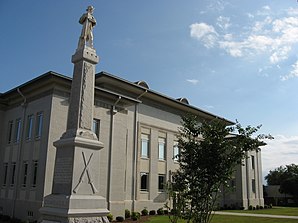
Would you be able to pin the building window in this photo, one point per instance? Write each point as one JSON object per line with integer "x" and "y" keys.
{"x": 25, "y": 173}
{"x": 253, "y": 162}
{"x": 253, "y": 185}
{"x": 39, "y": 122}
{"x": 13, "y": 173}
{"x": 175, "y": 152}
{"x": 145, "y": 146}
{"x": 161, "y": 182}
{"x": 30, "y": 214}
{"x": 29, "y": 127}
{"x": 10, "y": 127}
{"x": 34, "y": 175}
{"x": 144, "y": 181}
{"x": 5, "y": 174}
{"x": 233, "y": 183}
{"x": 17, "y": 134}
{"x": 161, "y": 149}
{"x": 96, "y": 126}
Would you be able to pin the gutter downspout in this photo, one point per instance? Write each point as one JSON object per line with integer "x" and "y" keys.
{"x": 135, "y": 154}
{"x": 113, "y": 112}
{"x": 20, "y": 148}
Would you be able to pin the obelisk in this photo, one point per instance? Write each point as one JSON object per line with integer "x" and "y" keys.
{"x": 75, "y": 193}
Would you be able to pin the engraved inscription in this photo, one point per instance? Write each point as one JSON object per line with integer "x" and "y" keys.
{"x": 82, "y": 123}
{"x": 63, "y": 171}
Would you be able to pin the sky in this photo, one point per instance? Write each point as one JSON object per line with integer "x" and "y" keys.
{"x": 235, "y": 59}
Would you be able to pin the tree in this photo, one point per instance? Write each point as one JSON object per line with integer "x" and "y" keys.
{"x": 208, "y": 156}
{"x": 275, "y": 177}
{"x": 286, "y": 177}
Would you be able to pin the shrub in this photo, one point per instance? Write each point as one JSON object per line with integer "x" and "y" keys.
{"x": 144, "y": 212}
{"x": 265, "y": 206}
{"x": 270, "y": 205}
{"x": 174, "y": 212}
{"x": 241, "y": 208}
{"x": 257, "y": 207}
{"x": 166, "y": 212}
{"x": 250, "y": 207}
{"x": 119, "y": 219}
{"x": 15, "y": 220}
{"x": 261, "y": 207}
{"x": 110, "y": 217}
{"x": 5, "y": 218}
{"x": 135, "y": 216}
{"x": 253, "y": 208}
{"x": 160, "y": 211}
{"x": 152, "y": 212}
{"x": 127, "y": 213}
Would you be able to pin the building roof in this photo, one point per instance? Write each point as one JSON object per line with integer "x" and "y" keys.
{"x": 104, "y": 79}
{"x": 110, "y": 85}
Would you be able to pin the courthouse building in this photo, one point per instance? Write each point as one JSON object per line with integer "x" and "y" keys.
{"x": 137, "y": 126}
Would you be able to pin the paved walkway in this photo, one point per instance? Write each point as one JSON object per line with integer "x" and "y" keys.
{"x": 256, "y": 215}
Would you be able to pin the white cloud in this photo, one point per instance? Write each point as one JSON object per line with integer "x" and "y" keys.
{"x": 292, "y": 11}
{"x": 251, "y": 16}
{"x": 282, "y": 150}
{"x": 269, "y": 36}
{"x": 193, "y": 81}
{"x": 223, "y": 22}
{"x": 293, "y": 72}
{"x": 281, "y": 54}
{"x": 266, "y": 10}
{"x": 205, "y": 33}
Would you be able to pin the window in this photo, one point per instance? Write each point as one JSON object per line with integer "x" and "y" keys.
{"x": 25, "y": 173}
{"x": 95, "y": 127}
{"x": 30, "y": 214}
{"x": 175, "y": 151}
{"x": 161, "y": 182}
{"x": 10, "y": 126}
{"x": 253, "y": 185}
{"x": 29, "y": 127}
{"x": 144, "y": 181}
{"x": 17, "y": 134}
{"x": 161, "y": 149}
{"x": 13, "y": 173}
{"x": 5, "y": 174}
{"x": 34, "y": 175}
{"x": 233, "y": 183}
{"x": 145, "y": 146}
{"x": 252, "y": 162}
{"x": 39, "y": 121}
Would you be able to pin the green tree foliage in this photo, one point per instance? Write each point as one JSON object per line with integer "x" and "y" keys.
{"x": 209, "y": 153}
{"x": 286, "y": 177}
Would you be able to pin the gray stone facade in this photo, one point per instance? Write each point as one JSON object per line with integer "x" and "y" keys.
{"x": 137, "y": 127}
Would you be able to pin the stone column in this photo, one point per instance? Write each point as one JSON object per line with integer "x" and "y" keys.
{"x": 75, "y": 193}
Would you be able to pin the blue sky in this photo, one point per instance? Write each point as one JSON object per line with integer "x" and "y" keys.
{"x": 236, "y": 59}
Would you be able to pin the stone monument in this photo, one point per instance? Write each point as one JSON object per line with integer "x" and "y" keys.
{"x": 75, "y": 193}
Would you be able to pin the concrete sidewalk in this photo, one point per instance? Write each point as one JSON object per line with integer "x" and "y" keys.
{"x": 256, "y": 215}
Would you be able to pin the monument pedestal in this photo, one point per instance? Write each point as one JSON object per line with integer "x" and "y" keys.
{"x": 75, "y": 195}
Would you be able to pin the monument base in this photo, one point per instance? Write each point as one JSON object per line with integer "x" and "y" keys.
{"x": 72, "y": 209}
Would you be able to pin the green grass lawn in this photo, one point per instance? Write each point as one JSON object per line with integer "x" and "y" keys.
{"x": 274, "y": 211}
{"x": 229, "y": 219}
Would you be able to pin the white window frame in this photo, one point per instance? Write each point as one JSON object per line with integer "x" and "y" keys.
{"x": 161, "y": 148}
{"x": 146, "y": 189}
{"x": 145, "y": 146}
{"x": 161, "y": 185}
{"x": 39, "y": 125}
{"x": 176, "y": 152}
{"x": 17, "y": 133}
